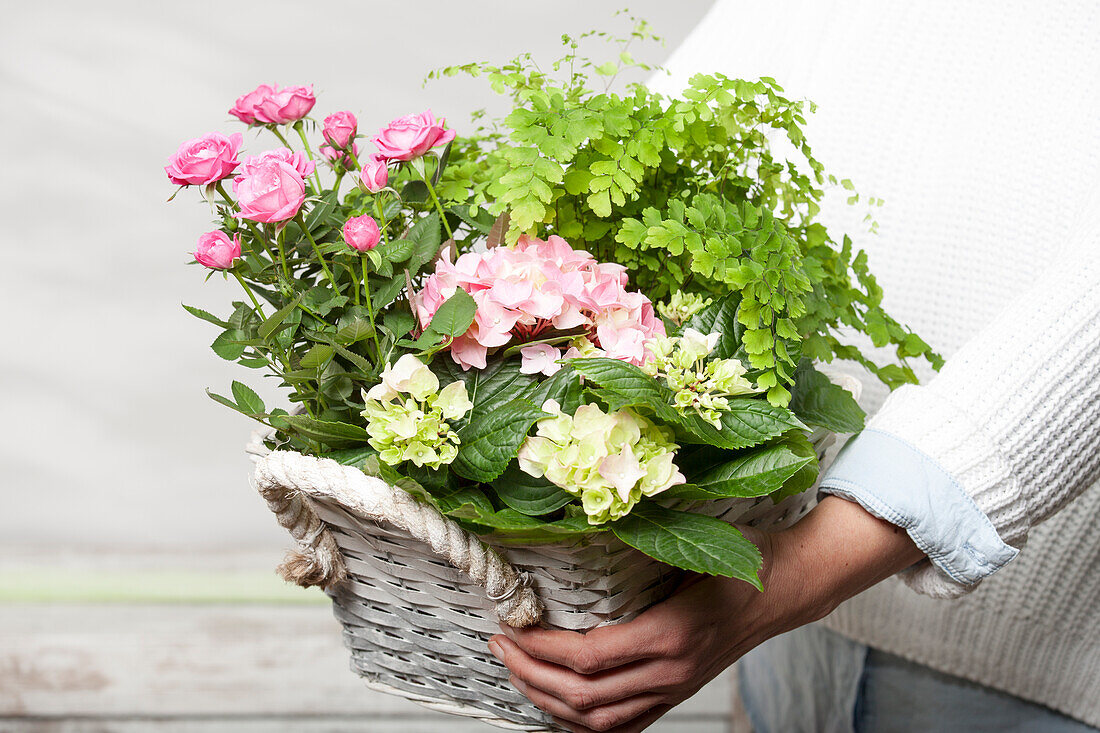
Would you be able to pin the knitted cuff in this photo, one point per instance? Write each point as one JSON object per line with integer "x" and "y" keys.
{"x": 963, "y": 449}
{"x": 923, "y": 466}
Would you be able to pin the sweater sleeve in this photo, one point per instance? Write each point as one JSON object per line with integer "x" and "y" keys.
{"x": 1006, "y": 435}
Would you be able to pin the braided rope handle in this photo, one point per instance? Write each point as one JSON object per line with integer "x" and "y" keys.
{"x": 287, "y": 479}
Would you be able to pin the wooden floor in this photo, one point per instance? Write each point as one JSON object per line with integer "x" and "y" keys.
{"x": 171, "y": 649}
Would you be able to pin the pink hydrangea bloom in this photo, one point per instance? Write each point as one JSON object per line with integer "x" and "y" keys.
{"x": 540, "y": 287}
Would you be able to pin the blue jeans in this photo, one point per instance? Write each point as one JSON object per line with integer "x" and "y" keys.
{"x": 814, "y": 681}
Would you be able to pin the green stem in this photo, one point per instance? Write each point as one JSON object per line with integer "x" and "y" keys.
{"x": 317, "y": 250}
{"x": 252, "y": 227}
{"x": 262, "y": 240}
{"x": 307, "y": 311}
{"x": 370, "y": 307}
{"x": 275, "y": 131}
{"x": 381, "y": 217}
{"x": 228, "y": 200}
{"x": 309, "y": 153}
{"x": 352, "y": 155}
{"x": 283, "y": 358}
{"x": 251, "y": 295}
{"x": 355, "y": 280}
{"x": 438, "y": 206}
{"x": 282, "y": 255}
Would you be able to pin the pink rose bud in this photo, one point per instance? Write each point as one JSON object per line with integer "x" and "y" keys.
{"x": 283, "y": 106}
{"x": 245, "y": 107}
{"x": 374, "y": 175}
{"x": 411, "y": 136}
{"x": 339, "y": 129}
{"x": 297, "y": 161}
{"x": 217, "y": 251}
{"x": 334, "y": 155}
{"x": 204, "y": 160}
{"x": 270, "y": 191}
{"x": 361, "y": 233}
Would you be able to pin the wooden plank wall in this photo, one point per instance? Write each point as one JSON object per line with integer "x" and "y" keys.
{"x": 128, "y": 665}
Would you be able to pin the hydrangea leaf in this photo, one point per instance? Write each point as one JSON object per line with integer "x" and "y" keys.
{"x": 455, "y": 315}
{"x": 690, "y": 541}
{"x": 491, "y": 439}
{"x": 817, "y": 401}
{"x": 758, "y": 472}
{"x": 529, "y": 495}
{"x": 721, "y": 317}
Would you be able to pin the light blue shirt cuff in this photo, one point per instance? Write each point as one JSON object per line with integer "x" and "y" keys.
{"x": 897, "y": 482}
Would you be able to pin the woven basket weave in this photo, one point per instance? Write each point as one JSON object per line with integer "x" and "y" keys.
{"x": 418, "y": 626}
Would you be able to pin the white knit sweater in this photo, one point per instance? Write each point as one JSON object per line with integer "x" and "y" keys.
{"x": 979, "y": 124}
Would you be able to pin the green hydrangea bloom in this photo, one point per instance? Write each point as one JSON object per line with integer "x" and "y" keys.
{"x": 698, "y": 385}
{"x": 407, "y": 415}
{"x": 609, "y": 461}
{"x": 682, "y": 306}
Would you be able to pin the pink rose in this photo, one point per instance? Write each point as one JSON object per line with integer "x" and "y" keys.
{"x": 411, "y": 136}
{"x": 340, "y": 128}
{"x": 217, "y": 251}
{"x": 297, "y": 161}
{"x": 335, "y": 156}
{"x": 362, "y": 233}
{"x": 245, "y": 107}
{"x": 204, "y": 160}
{"x": 270, "y": 191}
{"x": 283, "y": 106}
{"x": 374, "y": 175}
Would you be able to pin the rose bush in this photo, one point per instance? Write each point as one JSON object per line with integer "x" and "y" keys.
{"x": 411, "y": 136}
{"x": 217, "y": 251}
{"x": 271, "y": 190}
{"x": 361, "y": 233}
{"x": 296, "y": 160}
{"x": 244, "y": 109}
{"x": 284, "y": 106}
{"x": 339, "y": 129}
{"x": 204, "y": 160}
{"x": 374, "y": 176}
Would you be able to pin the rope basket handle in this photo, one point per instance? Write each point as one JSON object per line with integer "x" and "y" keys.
{"x": 287, "y": 479}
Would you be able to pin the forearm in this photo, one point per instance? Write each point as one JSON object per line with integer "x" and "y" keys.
{"x": 1001, "y": 439}
{"x": 833, "y": 553}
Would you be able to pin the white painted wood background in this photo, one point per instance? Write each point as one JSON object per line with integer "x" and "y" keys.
{"x": 204, "y": 643}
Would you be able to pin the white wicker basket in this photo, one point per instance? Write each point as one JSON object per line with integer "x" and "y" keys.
{"x": 419, "y": 597}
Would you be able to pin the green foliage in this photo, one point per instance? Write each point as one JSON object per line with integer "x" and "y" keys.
{"x": 753, "y": 473}
{"x": 817, "y": 401}
{"x": 690, "y": 194}
{"x": 529, "y": 495}
{"x": 694, "y": 542}
{"x": 746, "y": 423}
{"x": 491, "y": 439}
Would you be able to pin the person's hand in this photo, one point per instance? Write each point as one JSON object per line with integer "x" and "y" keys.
{"x": 623, "y": 678}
